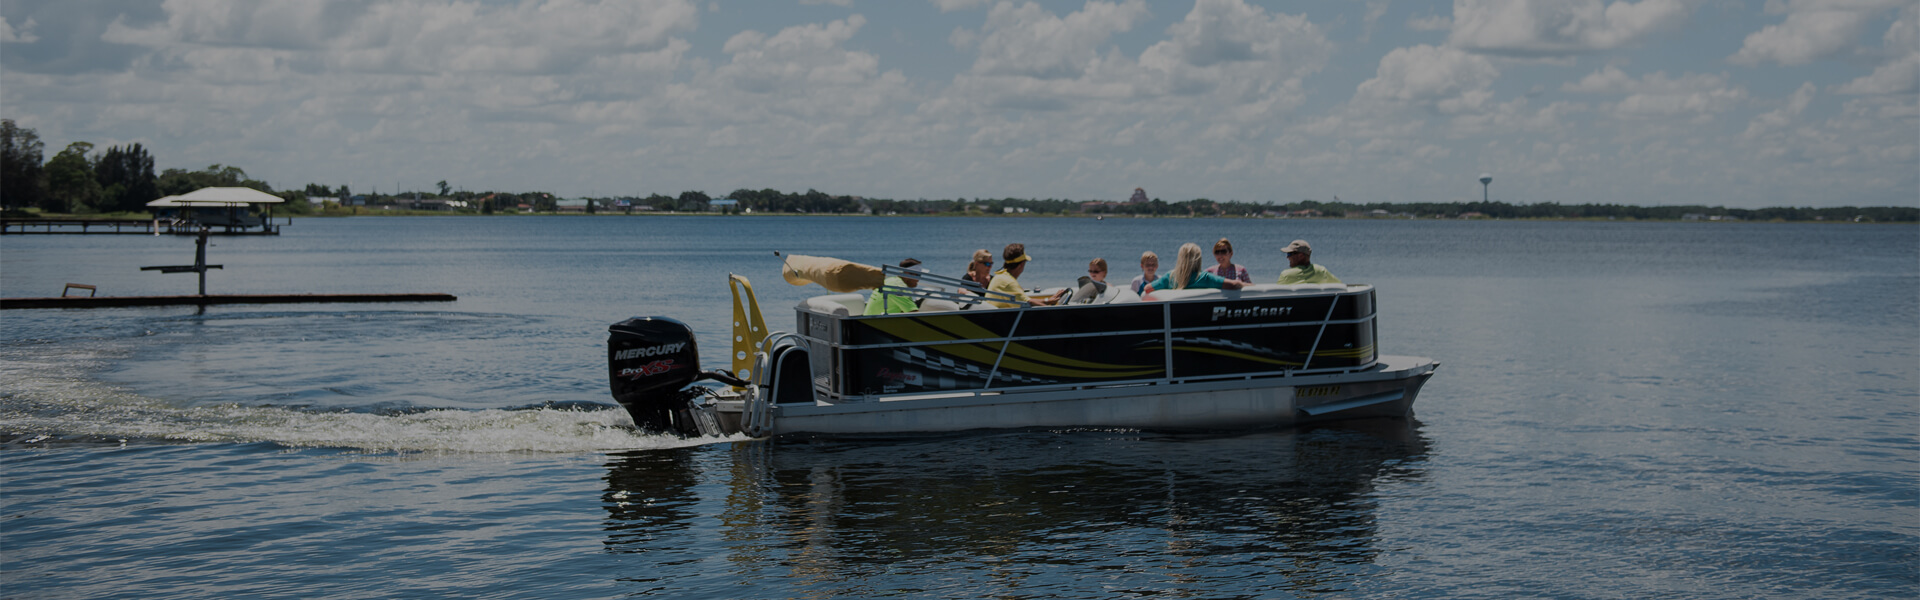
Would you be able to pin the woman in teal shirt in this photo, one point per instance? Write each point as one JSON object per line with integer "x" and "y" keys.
{"x": 1187, "y": 274}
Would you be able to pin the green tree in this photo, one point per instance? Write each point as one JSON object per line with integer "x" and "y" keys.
{"x": 126, "y": 179}
{"x": 71, "y": 186}
{"x": 444, "y": 188}
{"x": 661, "y": 203}
{"x": 181, "y": 181}
{"x": 23, "y": 182}
{"x": 693, "y": 200}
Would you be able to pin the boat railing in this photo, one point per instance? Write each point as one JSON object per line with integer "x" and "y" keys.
{"x": 967, "y": 291}
{"x": 1326, "y": 341}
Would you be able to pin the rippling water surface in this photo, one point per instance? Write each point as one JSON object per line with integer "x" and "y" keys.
{"x": 1700, "y": 410}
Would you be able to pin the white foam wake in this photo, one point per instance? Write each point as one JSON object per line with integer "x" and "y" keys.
{"x": 49, "y": 395}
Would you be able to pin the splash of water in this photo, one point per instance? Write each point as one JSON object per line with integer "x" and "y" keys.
{"x": 43, "y": 397}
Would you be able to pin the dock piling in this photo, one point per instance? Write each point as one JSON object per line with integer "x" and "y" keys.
{"x": 199, "y": 262}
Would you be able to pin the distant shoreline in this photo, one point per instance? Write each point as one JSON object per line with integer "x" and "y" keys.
{"x": 419, "y": 213}
{"x": 426, "y": 213}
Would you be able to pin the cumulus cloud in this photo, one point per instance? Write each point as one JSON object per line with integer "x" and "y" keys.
{"x": 1656, "y": 95}
{"x": 954, "y": 5}
{"x": 416, "y": 37}
{"x": 1780, "y": 118}
{"x": 1900, "y": 74}
{"x": 1220, "y": 98}
{"x": 1813, "y": 30}
{"x": 1027, "y": 41}
{"x": 23, "y": 35}
{"x": 1444, "y": 78}
{"x": 1228, "y": 54}
{"x": 1535, "y": 28}
{"x": 1375, "y": 10}
{"x": 799, "y": 62}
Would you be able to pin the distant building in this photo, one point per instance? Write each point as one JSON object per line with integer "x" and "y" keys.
{"x": 1139, "y": 196}
{"x": 578, "y": 205}
{"x": 723, "y": 204}
{"x": 436, "y": 204}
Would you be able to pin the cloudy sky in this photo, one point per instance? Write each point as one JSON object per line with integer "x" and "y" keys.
{"x": 1719, "y": 102}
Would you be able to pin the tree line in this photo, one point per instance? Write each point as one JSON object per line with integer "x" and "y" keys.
{"x": 817, "y": 202}
{"x": 122, "y": 179}
{"x": 78, "y": 180}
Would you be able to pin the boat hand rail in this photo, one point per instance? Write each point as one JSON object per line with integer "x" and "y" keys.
{"x": 978, "y": 295}
{"x": 1056, "y": 336}
{"x": 1011, "y": 334}
{"x": 1281, "y": 375}
{"x": 1322, "y": 332}
{"x": 755, "y": 419}
{"x": 1351, "y": 355}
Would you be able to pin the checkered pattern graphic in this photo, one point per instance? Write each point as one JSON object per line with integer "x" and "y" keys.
{"x": 941, "y": 363}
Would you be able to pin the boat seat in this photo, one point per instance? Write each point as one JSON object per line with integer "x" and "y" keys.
{"x": 843, "y": 305}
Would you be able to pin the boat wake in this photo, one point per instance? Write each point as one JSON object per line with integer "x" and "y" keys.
{"x": 48, "y": 400}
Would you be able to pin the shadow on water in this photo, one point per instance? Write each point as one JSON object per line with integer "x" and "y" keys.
{"x": 1289, "y": 510}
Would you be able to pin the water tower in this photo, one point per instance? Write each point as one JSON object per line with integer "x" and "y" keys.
{"x": 1485, "y": 180}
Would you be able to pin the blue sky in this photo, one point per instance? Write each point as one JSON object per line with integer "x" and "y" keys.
{"x": 1651, "y": 102}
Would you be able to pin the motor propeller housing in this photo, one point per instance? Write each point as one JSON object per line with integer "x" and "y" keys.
{"x": 651, "y": 362}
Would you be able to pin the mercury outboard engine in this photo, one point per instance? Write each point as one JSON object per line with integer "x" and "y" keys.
{"x": 652, "y": 364}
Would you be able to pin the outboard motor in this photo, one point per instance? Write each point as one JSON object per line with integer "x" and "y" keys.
{"x": 652, "y": 363}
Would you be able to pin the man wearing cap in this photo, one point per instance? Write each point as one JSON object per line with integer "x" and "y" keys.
{"x": 1302, "y": 269}
{"x": 1007, "y": 280}
{"x": 882, "y": 303}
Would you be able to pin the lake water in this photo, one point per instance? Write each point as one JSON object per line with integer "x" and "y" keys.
{"x": 1623, "y": 410}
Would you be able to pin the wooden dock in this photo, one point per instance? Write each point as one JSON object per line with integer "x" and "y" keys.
{"x": 13, "y": 226}
{"x": 113, "y": 301}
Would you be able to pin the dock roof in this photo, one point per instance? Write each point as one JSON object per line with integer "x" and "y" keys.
{"x": 219, "y": 196}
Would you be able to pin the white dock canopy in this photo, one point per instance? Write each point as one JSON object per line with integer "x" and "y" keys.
{"x": 218, "y": 196}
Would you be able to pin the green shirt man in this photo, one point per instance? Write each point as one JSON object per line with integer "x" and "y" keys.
{"x": 882, "y": 303}
{"x": 1301, "y": 268}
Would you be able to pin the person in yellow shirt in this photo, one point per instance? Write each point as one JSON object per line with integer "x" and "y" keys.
{"x": 1301, "y": 268}
{"x": 1007, "y": 280}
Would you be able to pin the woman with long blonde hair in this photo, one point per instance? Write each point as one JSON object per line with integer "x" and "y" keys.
{"x": 1187, "y": 274}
